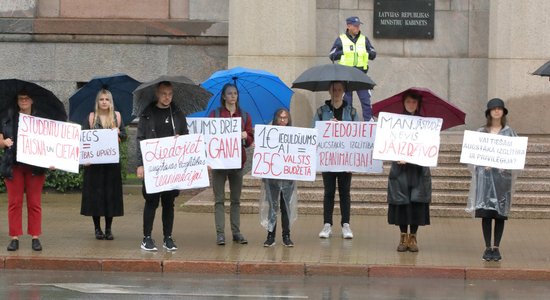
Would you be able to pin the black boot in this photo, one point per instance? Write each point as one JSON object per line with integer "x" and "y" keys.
{"x": 270, "y": 241}
{"x": 287, "y": 241}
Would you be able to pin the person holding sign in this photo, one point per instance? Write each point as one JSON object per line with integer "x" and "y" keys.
{"x": 491, "y": 188}
{"x": 230, "y": 109}
{"x": 336, "y": 109}
{"x": 102, "y": 184}
{"x": 277, "y": 191}
{"x": 20, "y": 178}
{"x": 409, "y": 190}
{"x": 161, "y": 118}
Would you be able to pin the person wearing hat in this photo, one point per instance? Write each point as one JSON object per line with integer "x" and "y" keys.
{"x": 491, "y": 189}
{"x": 354, "y": 49}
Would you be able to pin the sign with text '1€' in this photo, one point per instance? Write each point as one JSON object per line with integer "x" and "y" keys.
{"x": 222, "y": 137}
{"x": 346, "y": 147}
{"x": 284, "y": 152}
{"x": 99, "y": 146}
{"x": 174, "y": 163}
{"x": 47, "y": 143}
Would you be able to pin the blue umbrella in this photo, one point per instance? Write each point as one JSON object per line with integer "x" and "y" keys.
{"x": 260, "y": 93}
{"x": 121, "y": 86}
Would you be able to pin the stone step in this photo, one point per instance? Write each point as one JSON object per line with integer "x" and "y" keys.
{"x": 203, "y": 203}
{"x": 532, "y": 159}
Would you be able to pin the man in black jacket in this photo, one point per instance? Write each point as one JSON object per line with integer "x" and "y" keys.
{"x": 160, "y": 119}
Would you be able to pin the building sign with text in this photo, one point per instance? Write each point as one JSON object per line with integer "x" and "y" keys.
{"x": 404, "y": 19}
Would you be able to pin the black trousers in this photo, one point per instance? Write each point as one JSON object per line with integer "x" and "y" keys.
{"x": 151, "y": 204}
{"x": 344, "y": 186}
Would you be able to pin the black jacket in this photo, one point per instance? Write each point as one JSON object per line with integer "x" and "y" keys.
{"x": 402, "y": 176}
{"x": 146, "y": 126}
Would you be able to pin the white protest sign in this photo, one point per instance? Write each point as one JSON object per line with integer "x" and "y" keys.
{"x": 174, "y": 163}
{"x": 346, "y": 147}
{"x": 284, "y": 152}
{"x": 408, "y": 138}
{"x": 223, "y": 140}
{"x": 491, "y": 150}
{"x": 47, "y": 143}
{"x": 99, "y": 146}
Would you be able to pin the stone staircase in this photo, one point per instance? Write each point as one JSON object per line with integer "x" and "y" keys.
{"x": 450, "y": 184}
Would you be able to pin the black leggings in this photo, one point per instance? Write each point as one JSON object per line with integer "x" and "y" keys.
{"x": 486, "y": 224}
{"x": 403, "y": 228}
{"x": 108, "y": 222}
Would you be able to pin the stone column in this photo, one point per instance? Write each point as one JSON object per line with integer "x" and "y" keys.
{"x": 279, "y": 37}
{"x": 518, "y": 45}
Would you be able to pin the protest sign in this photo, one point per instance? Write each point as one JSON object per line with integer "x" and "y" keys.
{"x": 174, "y": 163}
{"x": 346, "y": 147}
{"x": 47, "y": 143}
{"x": 284, "y": 152}
{"x": 491, "y": 150}
{"x": 408, "y": 138}
{"x": 223, "y": 140}
{"x": 99, "y": 146}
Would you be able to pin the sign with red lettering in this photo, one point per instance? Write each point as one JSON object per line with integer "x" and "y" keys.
{"x": 222, "y": 137}
{"x": 99, "y": 146}
{"x": 346, "y": 147}
{"x": 174, "y": 163}
{"x": 284, "y": 152}
{"x": 47, "y": 143}
{"x": 408, "y": 138}
{"x": 492, "y": 150}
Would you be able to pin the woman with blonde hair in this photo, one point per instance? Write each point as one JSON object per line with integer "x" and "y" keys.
{"x": 102, "y": 185}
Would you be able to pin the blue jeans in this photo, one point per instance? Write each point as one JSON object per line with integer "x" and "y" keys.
{"x": 364, "y": 97}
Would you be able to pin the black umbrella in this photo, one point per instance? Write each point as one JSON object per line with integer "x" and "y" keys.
{"x": 188, "y": 96}
{"x": 319, "y": 78}
{"x": 44, "y": 103}
{"x": 544, "y": 70}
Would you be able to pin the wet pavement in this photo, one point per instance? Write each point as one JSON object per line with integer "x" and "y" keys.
{"x": 449, "y": 248}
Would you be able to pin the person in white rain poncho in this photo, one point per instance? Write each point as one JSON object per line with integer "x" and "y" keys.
{"x": 278, "y": 193}
{"x": 491, "y": 189}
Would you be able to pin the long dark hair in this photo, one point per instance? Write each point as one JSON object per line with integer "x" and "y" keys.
{"x": 277, "y": 115}
{"x": 225, "y": 87}
{"x": 416, "y": 97}
{"x": 490, "y": 120}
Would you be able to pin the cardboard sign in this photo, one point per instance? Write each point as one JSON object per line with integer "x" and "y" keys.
{"x": 491, "y": 150}
{"x": 174, "y": 163}
{"x": 284, "y": 152}
{"x": 222, "y": 138}
{"x": 346, "y": 147}
{"x": 99, "y": 146}
{"x": 47, "y": 143}
{"x": 408, "y": 138}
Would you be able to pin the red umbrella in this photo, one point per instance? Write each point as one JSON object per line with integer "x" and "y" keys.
{"x": 432, "y": 106}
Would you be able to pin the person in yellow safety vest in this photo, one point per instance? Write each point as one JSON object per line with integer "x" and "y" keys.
{"x": 355, "y": 50}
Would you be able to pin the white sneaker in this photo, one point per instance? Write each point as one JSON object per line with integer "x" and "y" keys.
{"x": 326, "y": 232}
{"x": 346, "y": 231}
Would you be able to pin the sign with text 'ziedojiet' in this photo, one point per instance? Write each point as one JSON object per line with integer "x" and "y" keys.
{"x": 491, "y": 150}
{"x": 222, "y": 137}
{"x": 407, "y": 138}
{"x": 174, "y": 163}
{"x": 99, "y": 146}
{"x": 284, "y": 152}
{"x": 47, "y": 143}
{"x": 345, "y": 146}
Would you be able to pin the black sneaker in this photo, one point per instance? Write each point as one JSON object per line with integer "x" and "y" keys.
{"x": 488, "y": 254}
{"x": 169, "y": 244}
{"x": 496, "y": 254}
{"x": 148, "y": 244}
{"x": 36, "y": 246}
{"x": 220, "y": 239}
{"x": 287, "y": 242}
{"x": 270, "y": 241}
{"x": 13, "y": 245}
{"x": 99, "y": 235}
{"x": 109, "y": 235}
{"x": 239, "y": 239}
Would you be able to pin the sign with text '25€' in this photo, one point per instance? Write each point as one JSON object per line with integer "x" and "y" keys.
{"x": 407, "y": 138}
{"x": 99, "y": 146}
{"x": 345, "y": 146}
{"x": 284, "y": 152}
{"x": 47, "y": 143}
{"x": 222, "y": 137}
{"x": 174, "y": 163}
